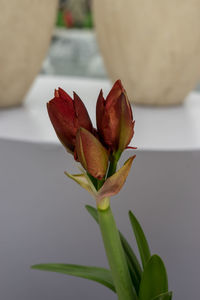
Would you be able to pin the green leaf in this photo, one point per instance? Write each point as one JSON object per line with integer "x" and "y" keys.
{"x": 100, "y": 275}
{"x": 154, "y": 279}
{"x": 133, "y": 263}
{"x": 165, "y": 296}
{"x": 141, "y": 240}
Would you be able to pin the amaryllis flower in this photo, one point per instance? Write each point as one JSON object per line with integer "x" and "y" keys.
{"x": 91, "y": 147}
{"x": 114, "y": 119}
{"x": 67, "y": 116}
{"x": 91, "y": 154}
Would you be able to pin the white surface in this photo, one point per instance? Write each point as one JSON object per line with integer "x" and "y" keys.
{"x": 168, "y": 128}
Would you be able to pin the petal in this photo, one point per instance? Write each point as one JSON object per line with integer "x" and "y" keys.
{"x": 83, "y": 181}
{"x": 113, "y": 184}
{"x": 114, "y": 93}
{"x": 111, "y": 125}
{"x": 64, "y": 104}
{"x": 126, "y": 122}
{"x": 100, "y": 111}
{"x": 62, "y": 94}
{"x": 91, "y": 153}
{"x": 79, "y": 150}
{"x": 82, "y": 114}
{"x": 108, "y": 122}
{"x": 61, "y": 116}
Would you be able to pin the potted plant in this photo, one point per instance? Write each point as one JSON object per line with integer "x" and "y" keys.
{"x": 99, "y": 151}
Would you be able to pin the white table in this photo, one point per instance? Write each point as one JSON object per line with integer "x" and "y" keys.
{"x": 42, "y": 216}
{"x": 170, "y": 128}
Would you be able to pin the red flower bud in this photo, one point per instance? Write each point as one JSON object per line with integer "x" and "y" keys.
{"x": 114, "y": 118}
{"x": 67, "y": 116}
{"x": 91, "y": 153}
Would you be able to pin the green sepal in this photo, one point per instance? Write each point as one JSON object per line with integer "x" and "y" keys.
{"x": 142, "y": 243}
{"x": 100, "y": 275}
{"x": 132, "y": 261}
{"x": 165, "y": 296}
{"x": 154, "y": 279}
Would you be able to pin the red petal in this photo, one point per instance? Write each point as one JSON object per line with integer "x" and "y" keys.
{"x": 111, "y": 125}
{"x": 114, "y": 94}
{"x": 100, "y": 112}
{"x": 126, "y": 123}
{"x": 64, "y": 95}
{"x": 62, "y": 114}
{"x": 82, "y": 114}
{"x": 56, "y": 93}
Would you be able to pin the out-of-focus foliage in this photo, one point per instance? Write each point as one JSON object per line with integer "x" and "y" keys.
{"x": 75, "y": 14}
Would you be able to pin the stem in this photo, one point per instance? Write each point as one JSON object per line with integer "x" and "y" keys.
{"x": 115, "y": 255}
{"x": 100, "y": 183}
{"x": 112, "y": 167}
{"x": 113, "y": 163}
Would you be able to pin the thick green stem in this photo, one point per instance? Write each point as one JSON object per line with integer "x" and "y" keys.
{"x": 115, "y": 255}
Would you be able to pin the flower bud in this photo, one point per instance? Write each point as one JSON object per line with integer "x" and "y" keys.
{"x": 114, "y": 119}
{"x": 67, "y": 115}
{"x": 91, "y": 154}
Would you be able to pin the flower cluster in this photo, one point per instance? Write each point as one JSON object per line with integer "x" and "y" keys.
{"x": 98, "y": 150}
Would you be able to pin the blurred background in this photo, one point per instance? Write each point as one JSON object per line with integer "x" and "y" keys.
{"x": 74, "y": 50}
{"x": 155, "y": 55}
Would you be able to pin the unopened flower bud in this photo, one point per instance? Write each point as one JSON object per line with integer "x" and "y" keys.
{"x": 91, "y": 154}
{"x": 67, "y": 115}
{"x": 114, "y": 119}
